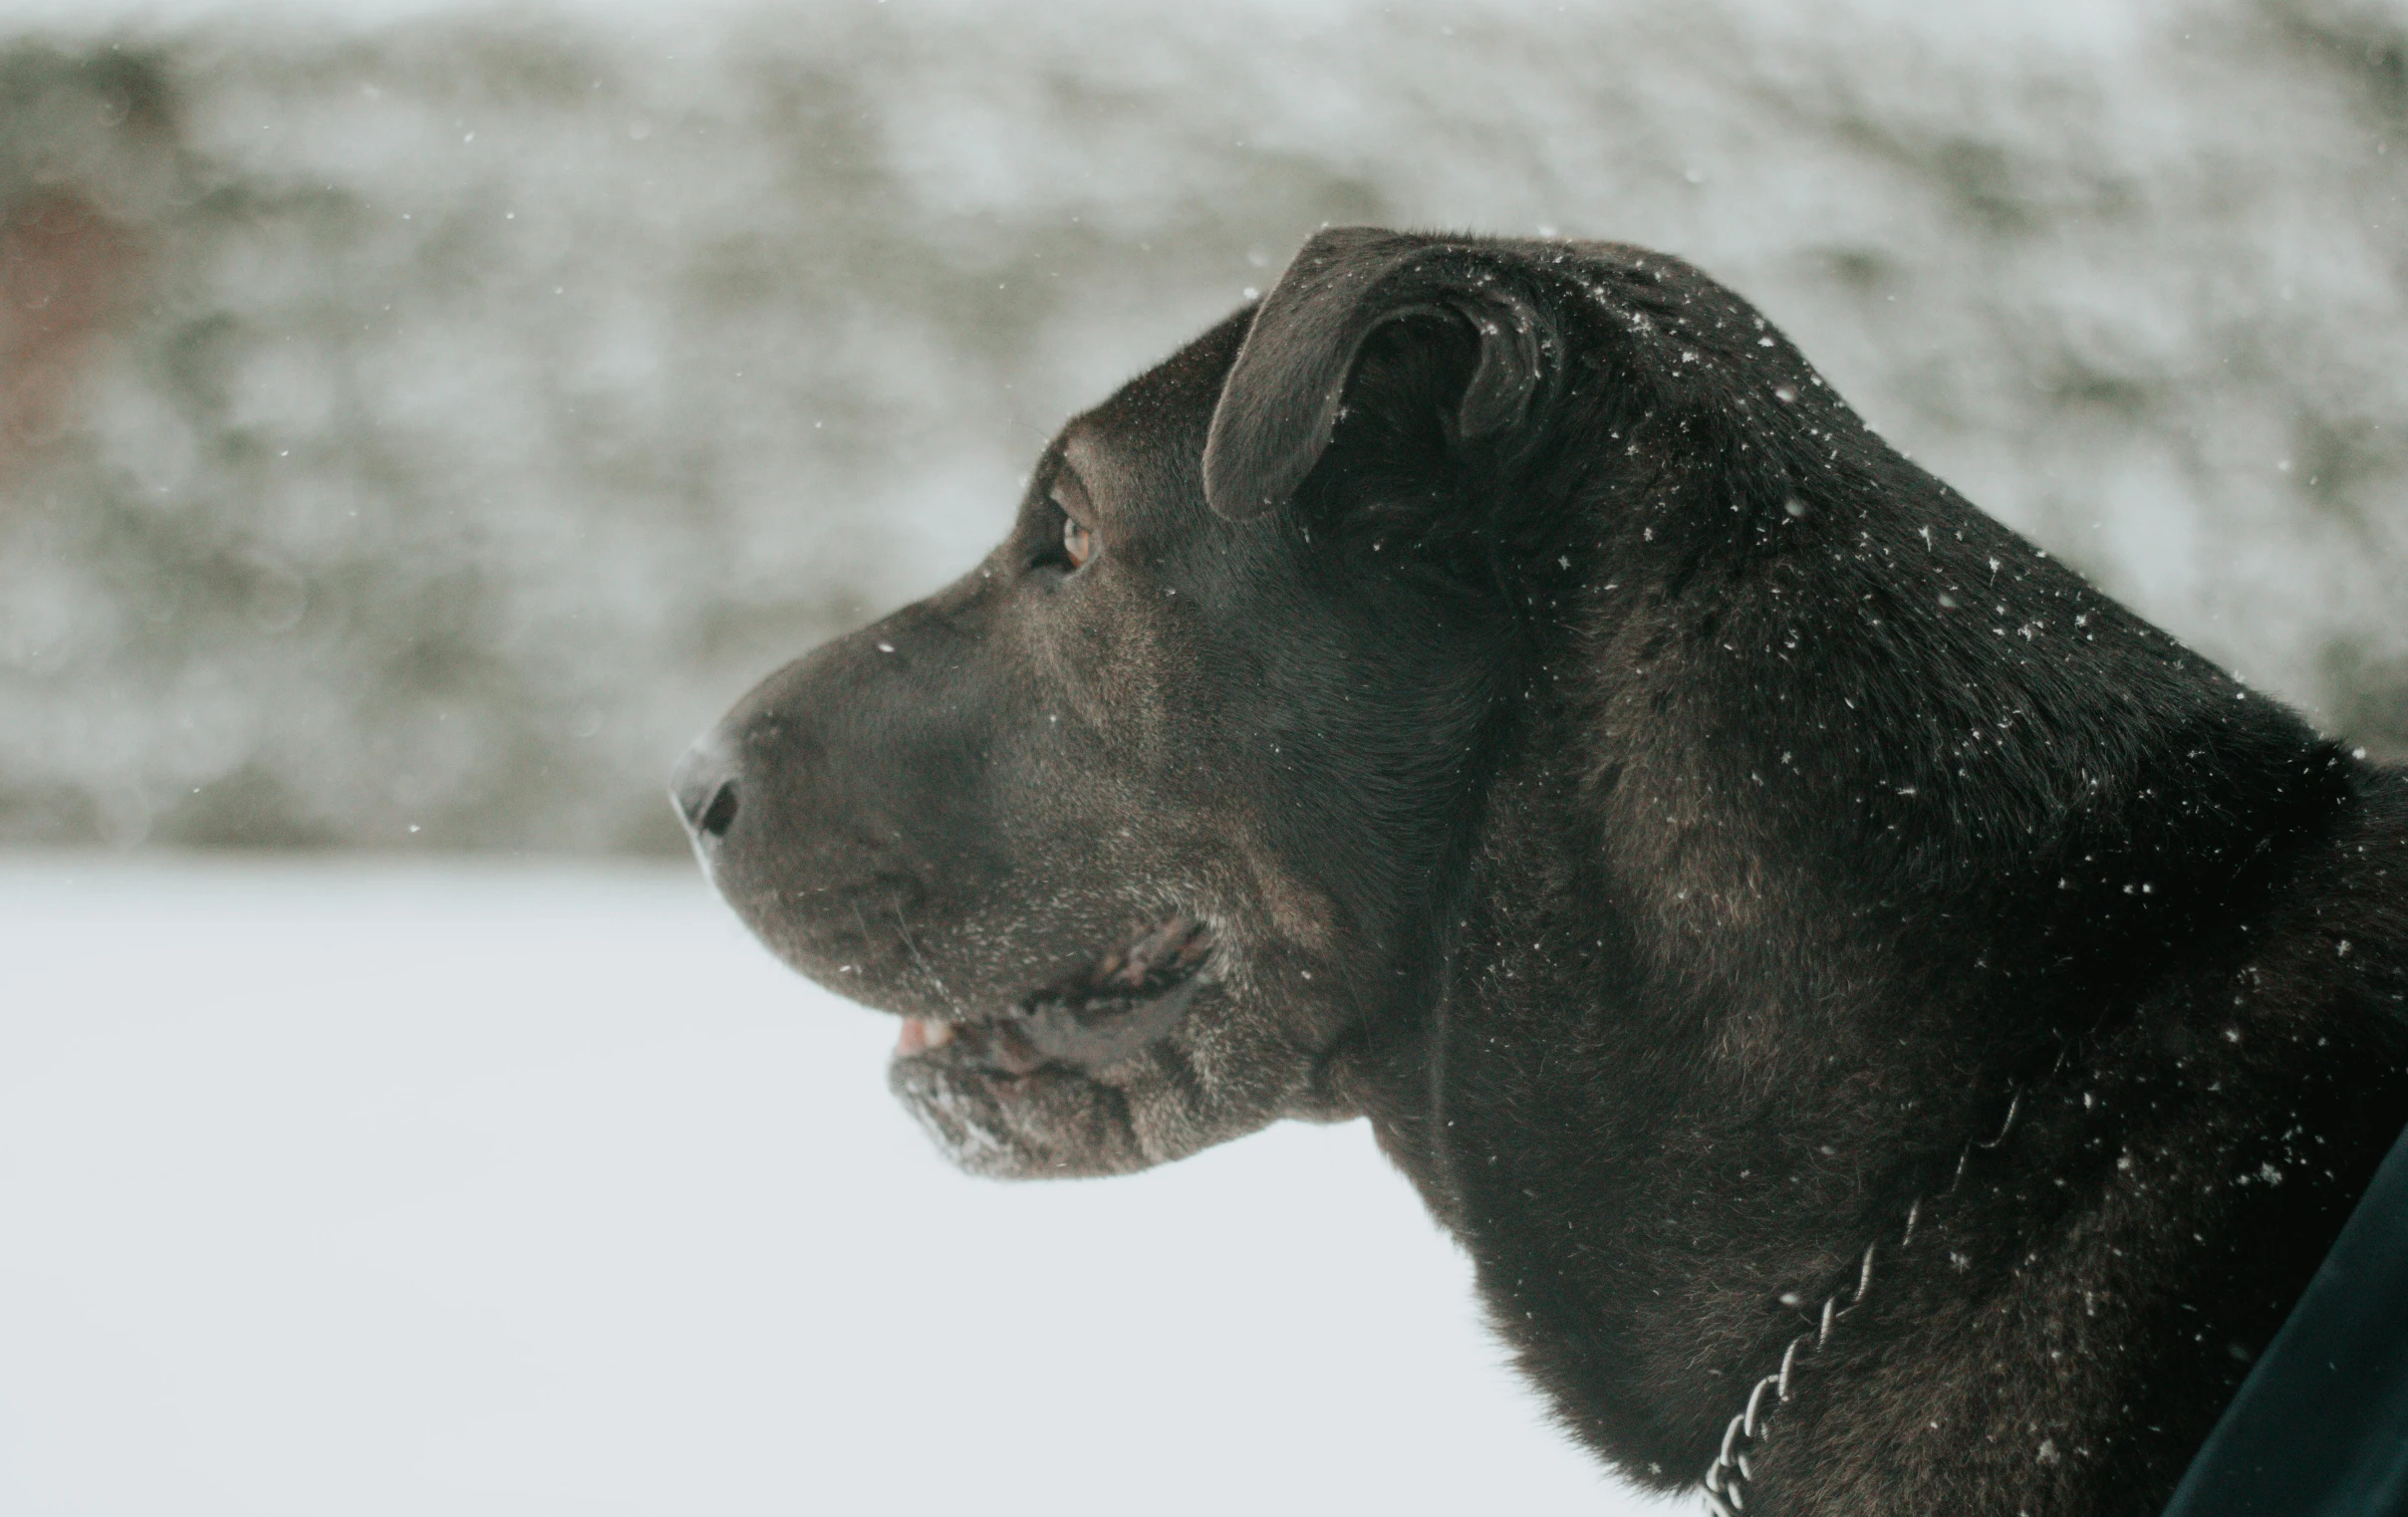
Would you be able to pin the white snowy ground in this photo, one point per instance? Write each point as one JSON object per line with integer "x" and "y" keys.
{"x": 342, "y": 1189}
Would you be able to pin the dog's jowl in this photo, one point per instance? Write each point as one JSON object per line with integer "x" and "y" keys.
{"x": 1497, "y": 689}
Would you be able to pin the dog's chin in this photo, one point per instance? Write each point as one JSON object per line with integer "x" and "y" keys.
{"x": 1209, "y": 1080}
{"x": 1050, "y": 1123}
{"x": 1223, "y": 1071}
{"x": 1145, "y": 1051}
{"x": 1159, "y": 1051}
{"x": 1083, "y": 1078}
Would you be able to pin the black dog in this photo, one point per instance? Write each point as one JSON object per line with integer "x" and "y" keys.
{"x": 1895, "y": 1029}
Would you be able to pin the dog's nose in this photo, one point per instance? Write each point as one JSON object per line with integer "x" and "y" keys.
{"x": 703, "y": 786}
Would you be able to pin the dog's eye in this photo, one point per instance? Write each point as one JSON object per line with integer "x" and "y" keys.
{"x": 1069, "y": 496}
{"x": 1078, "y": 544}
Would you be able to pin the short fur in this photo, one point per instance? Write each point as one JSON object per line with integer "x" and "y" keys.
{"x": 1691, "y": 833}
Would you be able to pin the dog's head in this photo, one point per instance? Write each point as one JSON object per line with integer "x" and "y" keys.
{"x": 1147, "y": 824}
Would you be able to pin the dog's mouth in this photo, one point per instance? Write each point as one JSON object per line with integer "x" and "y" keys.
{"x": 1127, "y": 999}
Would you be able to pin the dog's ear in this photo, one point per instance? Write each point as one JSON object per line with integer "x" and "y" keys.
{"x": 1282, "y": 399}
{"x": 1285, "y": 388}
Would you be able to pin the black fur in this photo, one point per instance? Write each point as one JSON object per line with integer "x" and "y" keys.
{"x": 1684, "y": 827}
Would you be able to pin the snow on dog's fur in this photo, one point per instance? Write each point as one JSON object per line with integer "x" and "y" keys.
{"x": 1497, "y": 688}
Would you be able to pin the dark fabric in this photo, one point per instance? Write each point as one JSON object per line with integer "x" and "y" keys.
{"x": 2321, "y": 1426}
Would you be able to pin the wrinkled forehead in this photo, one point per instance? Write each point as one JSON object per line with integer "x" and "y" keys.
{"x": 1139, "y": 453}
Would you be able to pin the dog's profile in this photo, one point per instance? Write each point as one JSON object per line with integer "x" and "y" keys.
{"x": 1894, "y": 1030}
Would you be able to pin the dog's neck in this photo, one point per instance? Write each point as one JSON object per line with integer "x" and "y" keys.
{"x": 1669, "y": 1098}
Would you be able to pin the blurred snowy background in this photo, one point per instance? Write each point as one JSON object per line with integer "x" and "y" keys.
{"x": 413, "y": 428}
{"x": 416, "y": 420}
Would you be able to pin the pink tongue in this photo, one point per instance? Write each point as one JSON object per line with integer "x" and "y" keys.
{"x": 914, "y": 1036}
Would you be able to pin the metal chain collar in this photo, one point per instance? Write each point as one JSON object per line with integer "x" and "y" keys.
{"x": 1727, "y": 1478}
